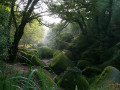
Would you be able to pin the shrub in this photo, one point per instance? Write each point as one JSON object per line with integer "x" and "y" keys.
{"x": 92, "y": 55}
{"x": 71, "y": 78}
{"x": 83, "y": 64}
{"x": 62, "y": 45}
{"x": 60, "y": 63}
{"x": 67, "y": 37}
{"x": 45, "y": 52}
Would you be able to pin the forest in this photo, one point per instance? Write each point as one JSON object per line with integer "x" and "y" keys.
{"x": 79, "y": 50}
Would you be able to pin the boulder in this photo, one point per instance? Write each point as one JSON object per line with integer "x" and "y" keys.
{"x": 70, "y": 79}
{"x": 60, "y": 63}
{"x": 45, "y": 52}
{"x": 109, "y": 75}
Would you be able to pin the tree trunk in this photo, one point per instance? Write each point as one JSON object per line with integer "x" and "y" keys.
{"x": 14, "y": 47}
{"x": 20, "y": 29}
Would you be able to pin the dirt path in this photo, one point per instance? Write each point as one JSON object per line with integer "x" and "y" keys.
{"x": 47, "y": 61}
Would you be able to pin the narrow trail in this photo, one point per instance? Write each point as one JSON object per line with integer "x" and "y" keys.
{"x": 47, "y": 61}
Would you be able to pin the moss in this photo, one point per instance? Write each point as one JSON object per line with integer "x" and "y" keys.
{"x": 27, "y": 58}
{"x": 57, "y": 52}
{"x": 45, "y": 52}
{"x": 91, "y": 71}
{"x": 71, "y": 79}
{"x": 60, "y": 63}
{"x": 49, "y": 83}
{"x": 68, "y": 53}
{"x": 109, "y": 75}
{"x": 83, "y": 64}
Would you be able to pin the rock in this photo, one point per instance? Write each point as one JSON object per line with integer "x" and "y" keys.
{"x": 71, "y": 79}
{"x": 29, "y": 59}
{"x": 60, "y": 63}
{"x": 109, "y": 75}
{"x": 45, "y": 81}
{"x": 45, "y": 52}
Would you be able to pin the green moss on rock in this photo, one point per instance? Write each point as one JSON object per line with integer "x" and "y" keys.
{"x": 68, "y": 53}
{"x": 45, "y": 52}
{"x": 71, "y": 79}
{"x": 42, "y": 78}
{"x": 56, "y": 53}
{"x": 31, "y": 59}
{"x": 109, "y": 75}
{"x": 60, "y": 63}
{"x": 83, "y": 64}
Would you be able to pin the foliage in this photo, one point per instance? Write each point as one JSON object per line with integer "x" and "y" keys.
{"x": 82, "y": 64}
{"x": 91, "y": 71}
{"x": 60, "y": 63}
{"x": 4, "y": 32}
{"x": 45, "y": 52}
{"x": 33, "y": 33}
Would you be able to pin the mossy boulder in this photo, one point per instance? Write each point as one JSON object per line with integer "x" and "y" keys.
{"x": 60, "y": 63}
{"x": 71, "y": 79}
{"x": 45, "y": 52}
{"x": 109, "y": 75}
{"x": 56, "y": 53}
{"x": 45, "y": 81}
{"x": 83, "y": 64}
{"x": 68, "y": 53}
{"x": 91, "y": 71}
{"x": 29, "y": 59}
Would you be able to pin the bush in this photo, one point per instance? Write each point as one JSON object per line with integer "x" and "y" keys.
{"x": 62, "y": 45}
{"x": 45, "y": 52}
{"x": 67, "y": 37}
{"x": 72, "y": 78}
{"x": 60, "y": 63}
{"x": 83, "y": 64}
{"x": 91, "y": 55}
{"x": 91, "y": 71}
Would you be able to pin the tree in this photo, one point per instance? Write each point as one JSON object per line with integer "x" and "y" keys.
{"x": 33, "y": 33}
{"x": 26, "y": 15}
{"x": 72, "y": 11}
